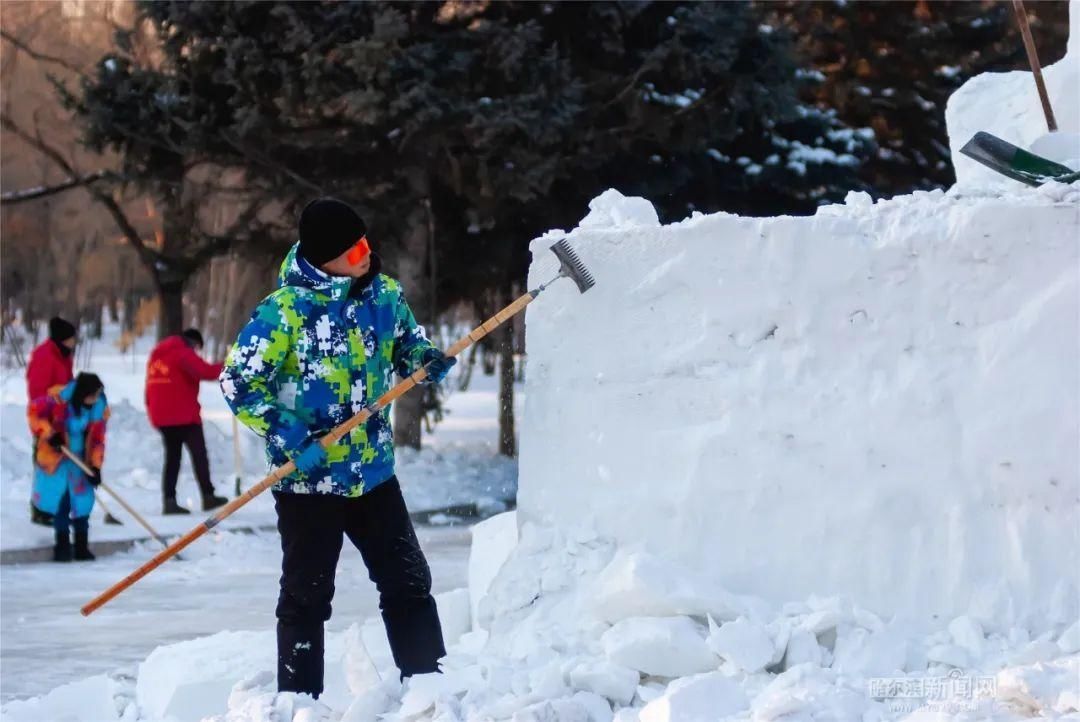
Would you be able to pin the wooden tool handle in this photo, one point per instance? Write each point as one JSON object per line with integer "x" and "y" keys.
{"x": 284, "y": 470}
{"x": 1033, "y": 61}
{"x": 180, "y": 544}
{"x": 127, "y": 507}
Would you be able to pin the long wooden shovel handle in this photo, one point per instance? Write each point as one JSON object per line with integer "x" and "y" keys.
{"x": 1036, "y": 66}
{"x": 289, "y": 467}
{"x": 127, "y": 507}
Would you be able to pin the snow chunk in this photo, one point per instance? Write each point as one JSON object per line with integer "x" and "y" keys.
{"x": 492, "y": 542}
{"x": 637, "y": 584}
{"x": 557, "y": 710}
{"x": 968, "y": 634}
{"x": 454, "y": 614}
{"x": 1061, "y": 147}
{"x": 701, "y": 698}
{"x": 859, "y": 651}
{"x": 1069, "y": 641}
{"x": 88, "y": 700}
{"x": 745, "y": 644}
{"x": 605, "y": 678}
{"x": 802, "y": 648}
{"x": 611, "y": 209}
{"x": 193, "y": 679}
{"x": 665, "y": 647}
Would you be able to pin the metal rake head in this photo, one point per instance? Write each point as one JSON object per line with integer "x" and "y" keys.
{"x": 572, "y": 267}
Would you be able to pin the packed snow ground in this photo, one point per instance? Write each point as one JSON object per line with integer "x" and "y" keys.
{"x": 226, "y": 581}
{"x": 457, "y": 466}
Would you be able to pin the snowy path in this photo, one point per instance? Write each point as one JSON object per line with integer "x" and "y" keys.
{"x": 229, "y": 582}
{"x": 458, "y": 465}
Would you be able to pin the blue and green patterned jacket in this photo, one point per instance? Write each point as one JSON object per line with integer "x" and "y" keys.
{"x": 315, "y": 352}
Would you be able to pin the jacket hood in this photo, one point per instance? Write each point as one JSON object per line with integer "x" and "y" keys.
{"x": 97, "y": 411}
{"x": 297, "y": 272}
{"x": 172, "y": 342}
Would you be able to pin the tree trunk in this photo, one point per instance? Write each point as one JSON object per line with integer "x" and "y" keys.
{"x": 96, "y": 325}
{"x": 112, "y": 303}
{"x": 505, "y": 343}
{"x": 171, "y": 314}
{"x": 408, "y": 410}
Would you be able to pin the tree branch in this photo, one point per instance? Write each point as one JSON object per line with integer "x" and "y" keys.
{"x": 264, "y": 160}
{"x": 147, "y": 255}
{"x": 41, "y": 56}
{"x": 29, "y": 194}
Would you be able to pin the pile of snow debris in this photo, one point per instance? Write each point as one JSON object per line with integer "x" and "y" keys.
{"x": 572, "y": 629}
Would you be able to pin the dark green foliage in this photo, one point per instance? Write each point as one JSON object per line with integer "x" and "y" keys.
{"x": 507, "y": 117}
{"x": 892, "y": 65}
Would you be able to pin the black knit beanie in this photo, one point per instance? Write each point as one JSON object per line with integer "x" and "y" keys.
{"x": 328, "y": 228}
{"x": 193, "y": 336}
{"x": 60, "y": 330}
{"x": 85, "y": 384}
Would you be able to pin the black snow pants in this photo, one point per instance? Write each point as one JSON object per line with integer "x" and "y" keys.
{"x": 378, "y": 524}
{"x": 175, "y": 438}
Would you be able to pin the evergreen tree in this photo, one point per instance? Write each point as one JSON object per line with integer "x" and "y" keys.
{"x": 891, "y": 66}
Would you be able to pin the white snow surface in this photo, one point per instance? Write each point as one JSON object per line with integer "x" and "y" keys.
{"x": 878, "y": 401}
{"x": 1008, "y": 106}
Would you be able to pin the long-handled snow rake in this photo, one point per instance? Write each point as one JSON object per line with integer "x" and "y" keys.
{"x": 570, "y": 266}
{"x": 127, "y": 507}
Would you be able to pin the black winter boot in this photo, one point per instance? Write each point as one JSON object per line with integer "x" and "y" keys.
{"x": 37, "y": 516}
{"x": 171, "y": 507}
{"x": 62, "y": 550}
{"x": 300, "y": 658}
{"x": 213, "y": 502}
{"x": 82, "y": 547}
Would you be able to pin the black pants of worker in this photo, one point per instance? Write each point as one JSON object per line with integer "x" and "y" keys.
{"x": 378, "y": 524}
{"x": 177, "y": 437}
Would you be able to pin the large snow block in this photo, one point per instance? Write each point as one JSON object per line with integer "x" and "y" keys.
{"x": 93, "y": 699}
{"x": 187, "y": 681}
{"x": 878, "y": 401}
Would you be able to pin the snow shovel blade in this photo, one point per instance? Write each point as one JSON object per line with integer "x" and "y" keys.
{"x": 110, "y": 519}
{"x": 1016, "y": 163}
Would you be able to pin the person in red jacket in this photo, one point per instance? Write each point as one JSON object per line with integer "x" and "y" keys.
{"x": 173, "y": 373}
{"x": 51, "y": 366}
{"x": 52, "y": 362}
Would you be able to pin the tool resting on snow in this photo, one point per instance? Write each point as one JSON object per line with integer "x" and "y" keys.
{"x": 570, "y": 266}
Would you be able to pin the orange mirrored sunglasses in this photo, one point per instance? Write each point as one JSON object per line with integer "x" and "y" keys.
{"x": 358, "y": 252}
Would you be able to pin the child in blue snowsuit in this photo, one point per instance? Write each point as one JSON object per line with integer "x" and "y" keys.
{"x": 72, "y": 416}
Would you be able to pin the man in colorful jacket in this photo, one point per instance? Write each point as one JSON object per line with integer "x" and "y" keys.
{"x": 50, "y": 366}
{"x": 173, "y": 373}
{"x": 71, "y": 416}
{"x": 320, "y": 348}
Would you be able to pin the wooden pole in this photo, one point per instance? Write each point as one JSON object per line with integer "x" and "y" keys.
{"x": 289, "y": 467}
{"x": 1033, "y": 61}
{"x": 127, "y": 507}
{"x": 237, "y": 457}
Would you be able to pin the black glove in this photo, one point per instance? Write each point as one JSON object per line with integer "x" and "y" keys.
{"x": 95, "y": 478}
{"x": 56, "y": 440}
{"x": 438, "y": 365}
